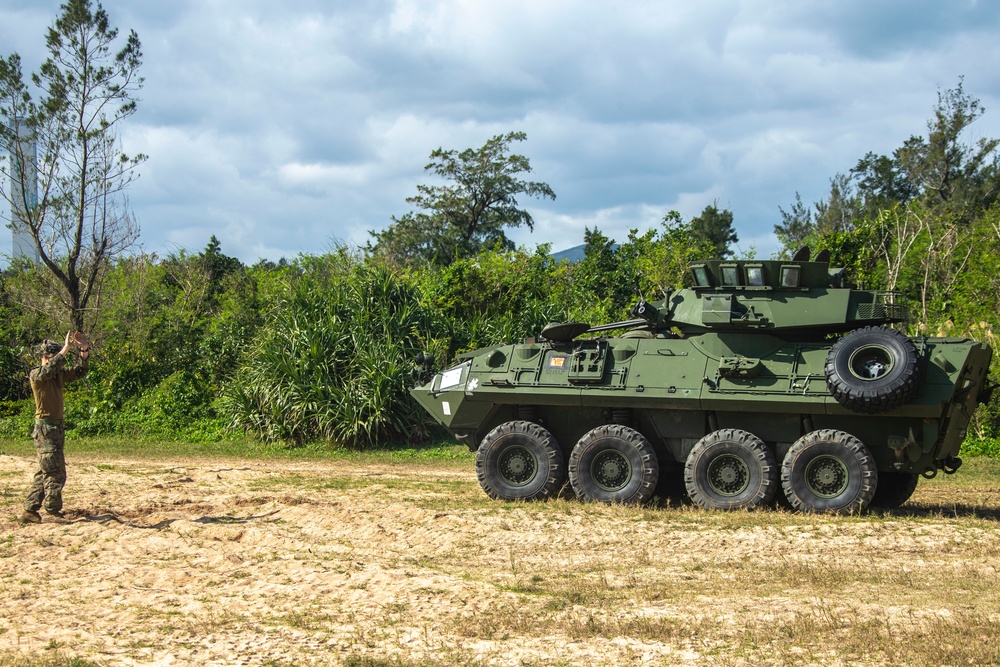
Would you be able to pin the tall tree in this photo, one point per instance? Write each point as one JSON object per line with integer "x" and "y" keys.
{"x": 716, "y": 227}
{"x": 951, "y": 180}
{"x": 839, "y": 211}
{"x": 882, "y": 183}
{"x": 950, "y": 177}
{"x": 468, "y": 214}
{"x": 795, "y": 227}
{"x": 70, "y": 193}
{"x": 608, "y": 270}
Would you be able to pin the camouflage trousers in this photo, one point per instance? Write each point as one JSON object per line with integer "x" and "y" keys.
{"x": 48, "y": 482}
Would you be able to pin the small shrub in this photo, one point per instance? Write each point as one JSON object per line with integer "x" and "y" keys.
{"x": 981, "y": 447}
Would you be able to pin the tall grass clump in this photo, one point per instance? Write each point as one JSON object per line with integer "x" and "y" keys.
{"x": 335, "y": 359}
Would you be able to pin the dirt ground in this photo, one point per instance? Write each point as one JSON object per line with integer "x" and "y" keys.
{"x": 223, "y": 562}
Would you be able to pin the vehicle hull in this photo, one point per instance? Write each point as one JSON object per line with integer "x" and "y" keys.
{"x": 764, "y": 379}
{"x": 677, "y": 390}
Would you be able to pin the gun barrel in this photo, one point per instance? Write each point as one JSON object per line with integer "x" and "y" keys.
{"x": 617, "y": 325}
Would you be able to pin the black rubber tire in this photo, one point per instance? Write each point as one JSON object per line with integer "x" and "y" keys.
{"x": 520, "y": 460}
{"x": 613, "y": 464}
{"x": 873, "y": 369}
{"x": 730, "y": 469}
{"x": 829, "y": 471}
{"x": 894, "y": 489}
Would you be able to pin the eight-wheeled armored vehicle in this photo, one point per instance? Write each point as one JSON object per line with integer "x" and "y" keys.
{"x": 765, "y": 380}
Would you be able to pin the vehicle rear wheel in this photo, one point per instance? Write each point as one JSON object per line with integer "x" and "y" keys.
{"x": 731, "y": 469}
{"x": 613, "y": 464}
{"x": 829, "y": 471}
{"x": 894, "y": 489}
{"x": 520, "y": 460}
{"x": 873, "y": 369}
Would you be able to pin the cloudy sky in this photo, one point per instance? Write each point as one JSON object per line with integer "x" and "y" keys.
{"x": 289, "y": 127}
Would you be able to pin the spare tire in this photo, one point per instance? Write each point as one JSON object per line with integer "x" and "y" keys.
{"x": 873, "y": 369}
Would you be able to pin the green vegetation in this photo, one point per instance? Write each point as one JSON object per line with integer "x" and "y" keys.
{"x": 318, "y": 351}
{"x": 438, "y": 451}
{"x": 469, "y": 214}
{"x": 203, "y": 349}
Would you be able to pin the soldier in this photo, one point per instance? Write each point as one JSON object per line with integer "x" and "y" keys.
{"x": 47, "y": 383}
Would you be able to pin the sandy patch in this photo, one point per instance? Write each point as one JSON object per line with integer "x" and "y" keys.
{"x": 254, "y": 563}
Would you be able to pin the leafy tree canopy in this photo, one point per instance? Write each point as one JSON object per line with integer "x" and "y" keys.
{"x": 946, "y": 176}
{"x": 715, "y": 227}
{"x": 467, "y": 214}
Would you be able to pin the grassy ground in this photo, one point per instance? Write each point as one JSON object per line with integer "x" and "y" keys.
{"x": 300, "y": 557}
{"x": 439, "y": 451}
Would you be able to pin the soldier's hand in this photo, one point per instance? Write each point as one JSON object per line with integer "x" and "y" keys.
{"x": 69, "y": 341}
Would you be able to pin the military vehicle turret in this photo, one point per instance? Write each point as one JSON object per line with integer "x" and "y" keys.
{"x": 765, "y": 380}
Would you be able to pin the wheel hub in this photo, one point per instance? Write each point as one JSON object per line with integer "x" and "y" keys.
{"x": 611, "y": 470}
{"x": 517, "y": 466}
{"x": 826, "y": 476}
{"x": 728, "y": 475}
{"x": 870, "y": 363}
{"x": 874, "y": 369}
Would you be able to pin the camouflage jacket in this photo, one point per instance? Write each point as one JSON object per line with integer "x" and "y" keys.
{"x": 47, "y": 382}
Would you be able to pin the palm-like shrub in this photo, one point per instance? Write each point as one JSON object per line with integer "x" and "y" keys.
{"x": 335, "y": 360}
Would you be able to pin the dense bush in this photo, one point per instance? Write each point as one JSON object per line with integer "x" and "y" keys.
{"x": 336, "y": 357}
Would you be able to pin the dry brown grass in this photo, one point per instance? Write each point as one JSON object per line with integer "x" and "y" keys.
{"x": 373, "y": 563}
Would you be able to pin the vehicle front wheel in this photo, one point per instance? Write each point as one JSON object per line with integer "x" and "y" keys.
{"x": 613, "y": 464}
{"x": 520, "y": 460}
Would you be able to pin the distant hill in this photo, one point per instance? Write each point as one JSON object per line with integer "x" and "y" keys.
{"x": 574, "y": 254}
{"x": 571, "y": 255}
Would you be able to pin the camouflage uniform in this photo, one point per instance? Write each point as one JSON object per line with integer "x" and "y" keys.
{"x": 47, "y": 383}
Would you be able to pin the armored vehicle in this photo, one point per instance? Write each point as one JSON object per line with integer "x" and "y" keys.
{"x": 765, "y": 381}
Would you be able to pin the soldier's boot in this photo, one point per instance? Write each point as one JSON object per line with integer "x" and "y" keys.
{"x": 30, "y": 516}
{"x": 55, "y": 516}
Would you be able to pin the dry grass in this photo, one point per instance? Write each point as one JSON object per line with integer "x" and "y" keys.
{"x": 377, "y": 563}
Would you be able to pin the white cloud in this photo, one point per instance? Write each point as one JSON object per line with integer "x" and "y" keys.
{"x": 285, "y": 127}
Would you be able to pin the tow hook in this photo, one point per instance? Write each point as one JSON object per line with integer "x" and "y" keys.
{"x": 951, "y": 464}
